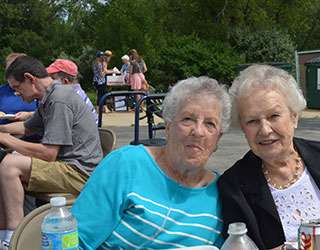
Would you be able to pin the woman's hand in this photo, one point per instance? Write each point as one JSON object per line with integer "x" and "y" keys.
{"x": 287, "y": 245}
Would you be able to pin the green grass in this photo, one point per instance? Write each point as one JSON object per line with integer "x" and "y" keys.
{"x": 92, "y": 96}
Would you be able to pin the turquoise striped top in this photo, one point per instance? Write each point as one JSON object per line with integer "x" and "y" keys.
{"x": 130, "y": 203}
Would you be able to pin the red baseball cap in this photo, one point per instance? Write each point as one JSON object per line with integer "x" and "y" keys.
{"x": 63, "y": 65}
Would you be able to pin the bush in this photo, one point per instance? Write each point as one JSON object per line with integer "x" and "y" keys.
{"x": 187, "y": 56}
{"x": 3, "y": 55}
{"x": 84, "y": 62}
{"x": 270, "y": 45}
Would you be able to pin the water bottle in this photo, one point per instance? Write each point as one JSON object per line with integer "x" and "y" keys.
{"x": 59, "y": 229}
{"x": 238, "y": 239}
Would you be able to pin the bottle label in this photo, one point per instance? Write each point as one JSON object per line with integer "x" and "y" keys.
{"x": 60, "y": 241}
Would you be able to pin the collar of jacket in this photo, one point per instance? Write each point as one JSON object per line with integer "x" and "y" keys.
{"x": 255, "y": 186}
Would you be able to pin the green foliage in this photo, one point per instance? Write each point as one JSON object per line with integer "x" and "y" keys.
{"x": 299, "y": 19}
{"x": 84, "y": 62}
{"x": 3, "y": 54}
{"x": 187, "y": 56}
{"x": 92, "y": 94}
{"x": 177, "y": 38}
{"x": 270, "y": 45}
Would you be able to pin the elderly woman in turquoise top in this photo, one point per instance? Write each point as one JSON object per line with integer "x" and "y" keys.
{"x": 161, "y": 197}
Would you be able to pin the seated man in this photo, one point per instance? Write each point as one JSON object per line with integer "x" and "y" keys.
{"x": 67, "y": 72}
{"x": 12, "y": 104}
{"x": 68, "y": 153}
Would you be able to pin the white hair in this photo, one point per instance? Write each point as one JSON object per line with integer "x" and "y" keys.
{"x": 268, "y": 77}
{"x": 192, "y": 88}
{"x": 125, "y": 57}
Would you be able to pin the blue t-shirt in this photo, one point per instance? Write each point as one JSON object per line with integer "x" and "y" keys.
{"x": 12, "y": 104}
{"x": 129, "y": 203}
{"x": 126, "y": 68}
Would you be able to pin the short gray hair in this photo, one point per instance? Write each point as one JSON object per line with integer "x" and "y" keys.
{"x": 125, "y": 57}
{"x": 197, "y": 87}
{"x": 268, "y": 77}
{"x": 72, "y": 79}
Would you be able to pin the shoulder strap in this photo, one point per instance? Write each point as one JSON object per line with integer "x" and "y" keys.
{"x": 138, "y": 66}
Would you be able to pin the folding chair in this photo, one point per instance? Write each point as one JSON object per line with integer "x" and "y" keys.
{"x": 107, "y": 139}
{"x": 153, "y": 108}
{"x": 126, "y": 98}
{"x": 27, "y": 235}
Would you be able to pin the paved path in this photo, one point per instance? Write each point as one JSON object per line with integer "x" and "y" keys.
{"x": 232, "y": 145}
{"x": 126, "y": 118}
{"x": 123, "y": 119}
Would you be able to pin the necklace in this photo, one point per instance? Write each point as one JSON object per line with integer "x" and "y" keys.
{"x": 287, "y": 184}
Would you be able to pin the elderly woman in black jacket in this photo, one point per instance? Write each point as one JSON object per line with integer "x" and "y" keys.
{"x": 275, "y": 185}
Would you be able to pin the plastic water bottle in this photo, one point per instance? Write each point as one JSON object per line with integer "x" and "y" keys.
{"x": 59, "y": 229}
{"x": 238, "y": 238}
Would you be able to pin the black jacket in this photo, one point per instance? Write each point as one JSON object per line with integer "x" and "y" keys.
{"x": 246, "y": 196}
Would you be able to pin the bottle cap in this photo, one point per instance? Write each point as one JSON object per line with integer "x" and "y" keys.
{"x": 237, "y": 228}
{"x": 58, "y": 201}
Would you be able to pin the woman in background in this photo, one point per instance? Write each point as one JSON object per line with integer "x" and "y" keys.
{"x": 136, "y": 75}
{"x": 99, "y": 68}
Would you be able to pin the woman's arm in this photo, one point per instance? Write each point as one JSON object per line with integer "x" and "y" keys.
{"x": 110, "y": 71}
{"x": 106, "y": 70}
{"x": 99, "y": 208}
{"x": 130, "y": 73}
{"x": 102, "y": 69}
{"x": 145, "y": 69}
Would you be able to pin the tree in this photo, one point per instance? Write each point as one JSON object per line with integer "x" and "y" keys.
{"x": 160, "y": 31}
{"x": 264, "y": 45}
{"x": 32, "y": 27}
{"x": 298, "y": 19}
{"x": 191, "y": 56}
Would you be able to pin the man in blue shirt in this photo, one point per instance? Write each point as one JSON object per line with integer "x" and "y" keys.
{"x": 12, "y": 104}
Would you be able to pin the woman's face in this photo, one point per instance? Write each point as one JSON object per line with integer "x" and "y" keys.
{"x": 268, "y": 123}
{"x": 194, "y": 133}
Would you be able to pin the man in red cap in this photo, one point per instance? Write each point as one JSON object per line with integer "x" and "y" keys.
{"x": 67, "y": 71}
